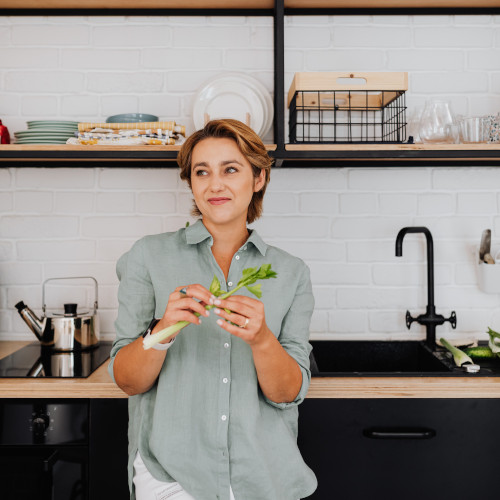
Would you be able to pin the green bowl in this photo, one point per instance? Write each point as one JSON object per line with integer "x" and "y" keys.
{"x": 132, "y": 118}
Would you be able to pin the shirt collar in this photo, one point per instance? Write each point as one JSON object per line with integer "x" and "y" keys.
{"x": 257, "y": 242}
{"x": 197, "y": 232}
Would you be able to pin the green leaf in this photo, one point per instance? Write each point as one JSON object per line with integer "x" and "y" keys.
{"x": 214, "y": 286}
{"x": 249, "y": 271}
{"x": 256, "y": 290}
{"x": 493, "y": 334}
{"x": 264, "y": 269}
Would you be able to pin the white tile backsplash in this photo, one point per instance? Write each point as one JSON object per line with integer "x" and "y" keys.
{"x": 342, "y": 222}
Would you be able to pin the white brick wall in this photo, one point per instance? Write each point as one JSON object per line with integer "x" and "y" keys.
{"x": 87, "y": 68}
{"x": 331, "y": 218}
{"x": 342, "y": 222}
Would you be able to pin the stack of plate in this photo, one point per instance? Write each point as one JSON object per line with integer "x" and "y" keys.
{"x": 47, "y": 132}
{"x": 234, "y": 95}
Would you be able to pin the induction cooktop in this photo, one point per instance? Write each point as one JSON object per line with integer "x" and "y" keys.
{"x": 36, "y": 361}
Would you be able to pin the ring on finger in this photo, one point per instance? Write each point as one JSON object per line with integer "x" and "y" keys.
{"x": 183, "y": 291}
{"x": 247, "y": 320}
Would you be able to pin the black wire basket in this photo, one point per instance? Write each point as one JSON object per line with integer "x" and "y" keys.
{"x": 369, "y": 108}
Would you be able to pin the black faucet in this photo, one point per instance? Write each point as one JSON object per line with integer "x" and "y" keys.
{"x": 430, "y": 319}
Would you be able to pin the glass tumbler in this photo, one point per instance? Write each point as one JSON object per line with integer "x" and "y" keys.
{"x": 474, "y": 129}
{"x": 436, "y": 123}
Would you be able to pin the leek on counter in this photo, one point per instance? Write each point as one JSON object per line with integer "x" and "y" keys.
{"x": 249, "y": 277}
{"x": 494, "y": 342}
{"x": 459, "y": 356}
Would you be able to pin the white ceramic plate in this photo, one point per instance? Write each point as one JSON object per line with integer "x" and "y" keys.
{"x": 267, "y": 103}
{"x": 233, "y": 95}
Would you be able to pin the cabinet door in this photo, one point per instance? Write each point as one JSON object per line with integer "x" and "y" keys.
{"x": 108, "y": 449}
{"x": 402, "y": 449}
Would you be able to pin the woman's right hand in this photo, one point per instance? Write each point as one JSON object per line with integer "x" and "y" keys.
{"x": 182, "y": 306}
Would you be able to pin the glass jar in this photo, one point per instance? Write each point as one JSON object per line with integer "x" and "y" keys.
{"x": 436, "y": 123}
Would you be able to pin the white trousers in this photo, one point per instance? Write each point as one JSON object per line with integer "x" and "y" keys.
{"x": 149, "y": 488}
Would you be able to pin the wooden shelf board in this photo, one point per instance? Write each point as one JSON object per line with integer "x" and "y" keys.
{"x": 388, "y": 4}
{"x": 54, "y": 154}
{"x": 244, "y": 4}
{"x": 393, "y": 147}
{"x": 68, "y": 147}
{"x": 133, "y": 4}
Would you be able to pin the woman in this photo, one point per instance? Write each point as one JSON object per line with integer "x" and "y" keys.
{"x": 213, "y": 408}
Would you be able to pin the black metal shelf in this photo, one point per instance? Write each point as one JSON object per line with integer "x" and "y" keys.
{"x": 386, "y": 158}
{"x": 323, "y": 157}
{"x": 283, "y": 157}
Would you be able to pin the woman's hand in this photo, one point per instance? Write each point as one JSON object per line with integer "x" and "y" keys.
{"x": 248, "y": 314}
{"x": 182, "y": 306}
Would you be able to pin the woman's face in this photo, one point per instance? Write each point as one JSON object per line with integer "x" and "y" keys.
{"x": 222, "y": 181}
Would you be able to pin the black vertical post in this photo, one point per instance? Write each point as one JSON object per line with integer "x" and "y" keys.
{"x": 279, "y": 77}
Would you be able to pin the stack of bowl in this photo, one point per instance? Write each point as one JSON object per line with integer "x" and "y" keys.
{"x": 132, "y": 118}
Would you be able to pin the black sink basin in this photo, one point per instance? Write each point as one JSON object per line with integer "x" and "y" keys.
{"x": 332, "y": 357}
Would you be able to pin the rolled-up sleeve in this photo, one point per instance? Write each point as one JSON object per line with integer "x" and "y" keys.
{"x": 136, "y": 301}
{"x": 294, "y": 335}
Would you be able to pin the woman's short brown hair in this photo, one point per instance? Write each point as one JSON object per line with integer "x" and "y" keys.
{"x": 250, "y": 145}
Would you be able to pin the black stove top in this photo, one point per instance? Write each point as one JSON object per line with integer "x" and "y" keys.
{"x": 35, "y": 361}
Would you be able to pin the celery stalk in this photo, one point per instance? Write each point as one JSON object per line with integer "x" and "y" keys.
{"x": 249, "y": 277}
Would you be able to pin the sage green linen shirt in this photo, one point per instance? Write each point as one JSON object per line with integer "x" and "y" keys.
{"x": 206, "y": 423}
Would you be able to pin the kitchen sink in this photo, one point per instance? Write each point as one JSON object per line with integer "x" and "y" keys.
{"x": 333, "y": 357}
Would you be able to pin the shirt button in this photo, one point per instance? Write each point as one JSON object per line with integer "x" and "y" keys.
{"x": 224, "y": 380}
{"x": 237, "y": 257}
{"x": 224, "y": 418}
{"x": 229, "y": 283}
{"x": 226, "y": 345}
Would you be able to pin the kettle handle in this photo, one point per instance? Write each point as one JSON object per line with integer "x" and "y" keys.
{"x": 69, "y": 278}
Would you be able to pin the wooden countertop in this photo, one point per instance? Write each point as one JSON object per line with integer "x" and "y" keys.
{"x": 100, "y": 385}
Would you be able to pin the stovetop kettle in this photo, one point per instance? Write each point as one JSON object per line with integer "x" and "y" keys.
{"x": 68, "y": 331}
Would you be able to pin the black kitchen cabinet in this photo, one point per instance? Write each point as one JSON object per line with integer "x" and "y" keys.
{"x": 63, "y": 449}
{"x": 395, "y": 449}
{"x": 108, "y": 450}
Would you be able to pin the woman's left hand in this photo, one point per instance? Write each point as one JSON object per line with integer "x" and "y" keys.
{"x": 248, "y": 314}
